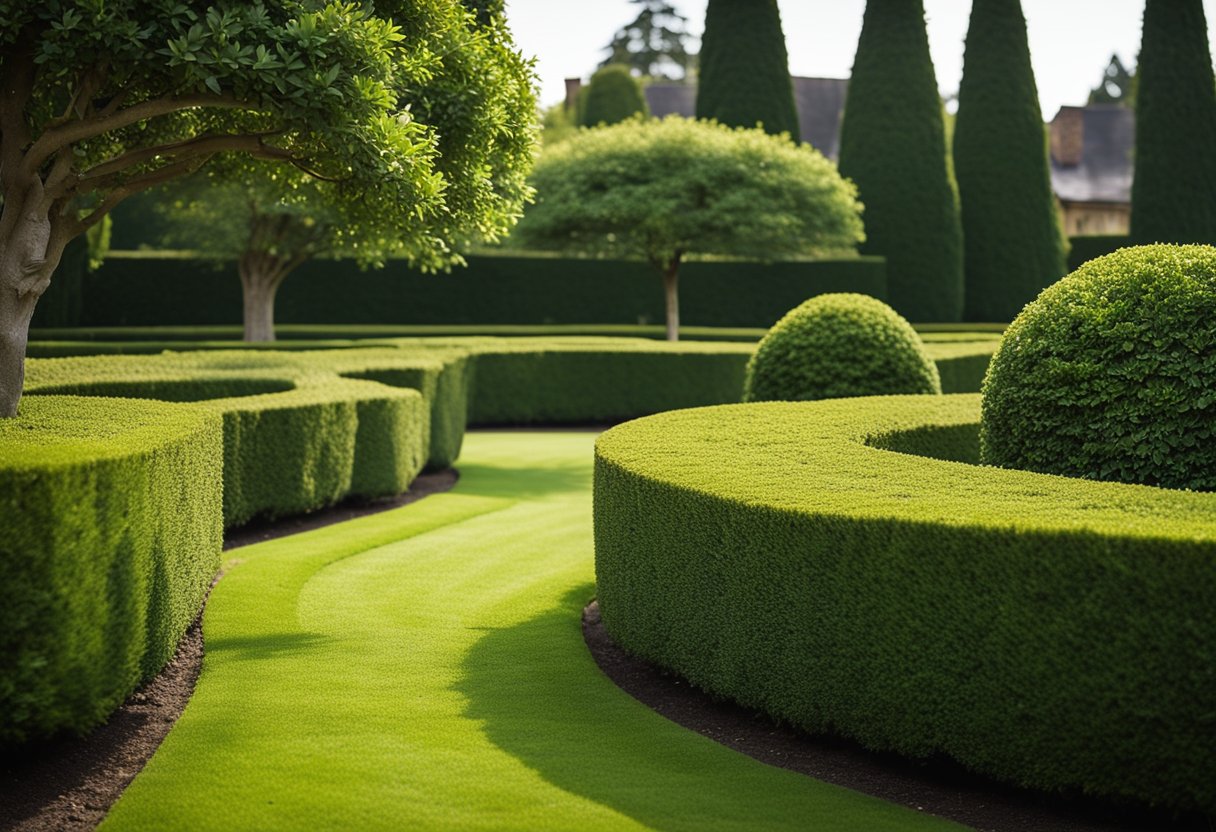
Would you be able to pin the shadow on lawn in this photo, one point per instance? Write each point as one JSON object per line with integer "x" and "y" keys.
{"x": 266, "y": 646}
{"x": 521, "y": 483}
{"x": 544, "y": 701}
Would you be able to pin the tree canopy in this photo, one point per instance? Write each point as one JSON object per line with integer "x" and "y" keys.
{"x": 745, "y": 74}
{"x": 658, "y": 190}
{"x": 101, "y": 101}
{"x": 612, "y": 96}
{"x": 654, "y": 43}
{"x": 1118, "y": 85}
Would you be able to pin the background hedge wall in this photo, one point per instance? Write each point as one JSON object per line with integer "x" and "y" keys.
{"x": 152, "y": 290}
{"x": 111, "y": 538}
{"x": 1051, "y": 632}
{"x": 1086, "y": 248}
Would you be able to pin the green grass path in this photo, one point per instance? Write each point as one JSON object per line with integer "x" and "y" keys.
{"x": 424, "y": 669}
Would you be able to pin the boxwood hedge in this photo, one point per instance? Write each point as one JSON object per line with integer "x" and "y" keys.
{"x": 1056, "y": 633}
{"x": 111, "y": 537}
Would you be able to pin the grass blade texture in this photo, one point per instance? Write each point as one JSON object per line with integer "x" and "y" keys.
{"x": 424, "y": 669}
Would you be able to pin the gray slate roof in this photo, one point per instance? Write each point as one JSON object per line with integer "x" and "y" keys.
{"x": 1104, "y": 173}
{"x": 820, "y": 103}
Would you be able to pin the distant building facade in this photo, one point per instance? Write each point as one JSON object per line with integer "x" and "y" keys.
{"x": 1091, "y": 167}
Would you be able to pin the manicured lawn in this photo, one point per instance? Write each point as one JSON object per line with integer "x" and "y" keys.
{"x": 424, "y": 668}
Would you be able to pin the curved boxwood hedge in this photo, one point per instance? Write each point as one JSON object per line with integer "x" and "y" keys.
{"x": 323, "y": 438}
{"x": 1052, "y": 632}
{"x": 111, "y": 537}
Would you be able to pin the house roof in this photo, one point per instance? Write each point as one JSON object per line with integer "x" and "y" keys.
{"x": 1098, "y": 166}
{"x": 820, "y": 104}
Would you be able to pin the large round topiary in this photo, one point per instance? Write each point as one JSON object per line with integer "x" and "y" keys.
{"x": 839, "y": 345}
{"x": 1111, "y": 373}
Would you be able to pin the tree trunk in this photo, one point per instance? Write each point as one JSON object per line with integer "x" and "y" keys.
{"x": 28, "y": 257}
{"x": 260, "y": 280}
{"x": 670, "y": 280}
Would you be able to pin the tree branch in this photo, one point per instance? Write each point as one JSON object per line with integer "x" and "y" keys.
{"x": 54, "y": 139}
{"x": 16, "y": 87}
{"x": 137, "y": 185}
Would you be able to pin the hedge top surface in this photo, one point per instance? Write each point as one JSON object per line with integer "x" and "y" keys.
{"x": 1111, "y": 373}
{"x": 838, "y": 345}
{"x": 814, "y": 457}
{"x": 73, "y": 430}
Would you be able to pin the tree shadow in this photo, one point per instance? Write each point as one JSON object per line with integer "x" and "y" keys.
{"x": 542, "y": 699}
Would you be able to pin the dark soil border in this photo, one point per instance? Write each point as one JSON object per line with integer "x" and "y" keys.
{"x": 937, "y": 787}
{"x": 68, "y": 785}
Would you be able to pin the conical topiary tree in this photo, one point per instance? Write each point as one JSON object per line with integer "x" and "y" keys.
{"x": 612, "y": 96}
{"x": 745, "y": 75}
{"x": 893, "y": 146}
{"x": 1012, "y": 241}
{"x": 1174, "y": 190}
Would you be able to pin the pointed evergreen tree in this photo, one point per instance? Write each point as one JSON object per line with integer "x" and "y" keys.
{"x": 745, "y": 73}
{"x": 612, "y": 96}
{"x": 1012, "y": 241}
{"x": 1174, "y": 190}
{"x": 893, "y": 146}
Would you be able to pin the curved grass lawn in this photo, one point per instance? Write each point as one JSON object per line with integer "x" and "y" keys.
{"x": 424, "y": 669}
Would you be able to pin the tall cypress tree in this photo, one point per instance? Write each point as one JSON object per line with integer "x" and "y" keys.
{"x": 1174, "y": 190}
{"x": 1012, "y": 241}
{"x": 745, "y": 73}
{"x": 893, "y": 146}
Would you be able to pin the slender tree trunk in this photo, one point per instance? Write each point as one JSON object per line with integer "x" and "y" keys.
{"x": 28, "y": 257}
{"x": 261, "y": 276}
{"x": 671, "y": 274}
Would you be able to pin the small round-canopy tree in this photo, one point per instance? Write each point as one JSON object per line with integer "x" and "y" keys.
{"x": 660, "y": 190}
{"x": 100, "y": 101}
{"x": 745, "y": 75}
{"x": 612, "y": 96}
{"x": 271, "y": 219}
{"x": 1174, "y": 186}
{"x": 893, "y": 145}
{"x": 1012, "y": 240}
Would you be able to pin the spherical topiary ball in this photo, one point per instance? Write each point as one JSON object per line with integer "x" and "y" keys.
{"x": 839, "y": 345}
{"x": 1111, "y": 373}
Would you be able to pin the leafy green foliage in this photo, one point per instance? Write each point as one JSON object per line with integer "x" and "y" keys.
{"x": 839, "y": 345}
{"x": 657, "y": 190}
{"x": 893, "y": 146}
{"x": 1174, "y": 184}
{"x": 613, "y": 96}
{"x": 1012, "y": 240}
{"x": 111, "y": 539}
{"x": 1118, "y": 85}
{"x": 1111, "y": 373}
{"x": 744, "y": 75}
{"x": 653, "y": 43}
{"x": 779, "y": 555}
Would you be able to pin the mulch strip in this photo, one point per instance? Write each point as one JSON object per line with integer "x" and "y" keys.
{"x": 937, "y": 787}
{"x": 69, "y": 784}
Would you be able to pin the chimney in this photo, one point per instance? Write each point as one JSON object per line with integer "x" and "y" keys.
{"x": 1068, "y": 136}
{"x": 573, "y": 87}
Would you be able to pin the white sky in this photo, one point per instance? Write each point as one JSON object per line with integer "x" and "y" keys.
{"x": 1070, "y": 40}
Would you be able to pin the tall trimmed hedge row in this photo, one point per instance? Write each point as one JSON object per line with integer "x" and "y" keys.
{"x": 154, "y": 290}
{"x": 1054, "y": 633}
{"x": 893, "y": 146}
{"x": 1012, "y": 239}
{"x": 112, "y": 534}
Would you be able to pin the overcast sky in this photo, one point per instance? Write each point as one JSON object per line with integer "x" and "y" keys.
{"x": 1070, "y": 40}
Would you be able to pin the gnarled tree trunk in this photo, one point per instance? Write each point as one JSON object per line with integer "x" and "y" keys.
{"x": 30, "y": 249}
{"x": 261, "y": 276}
